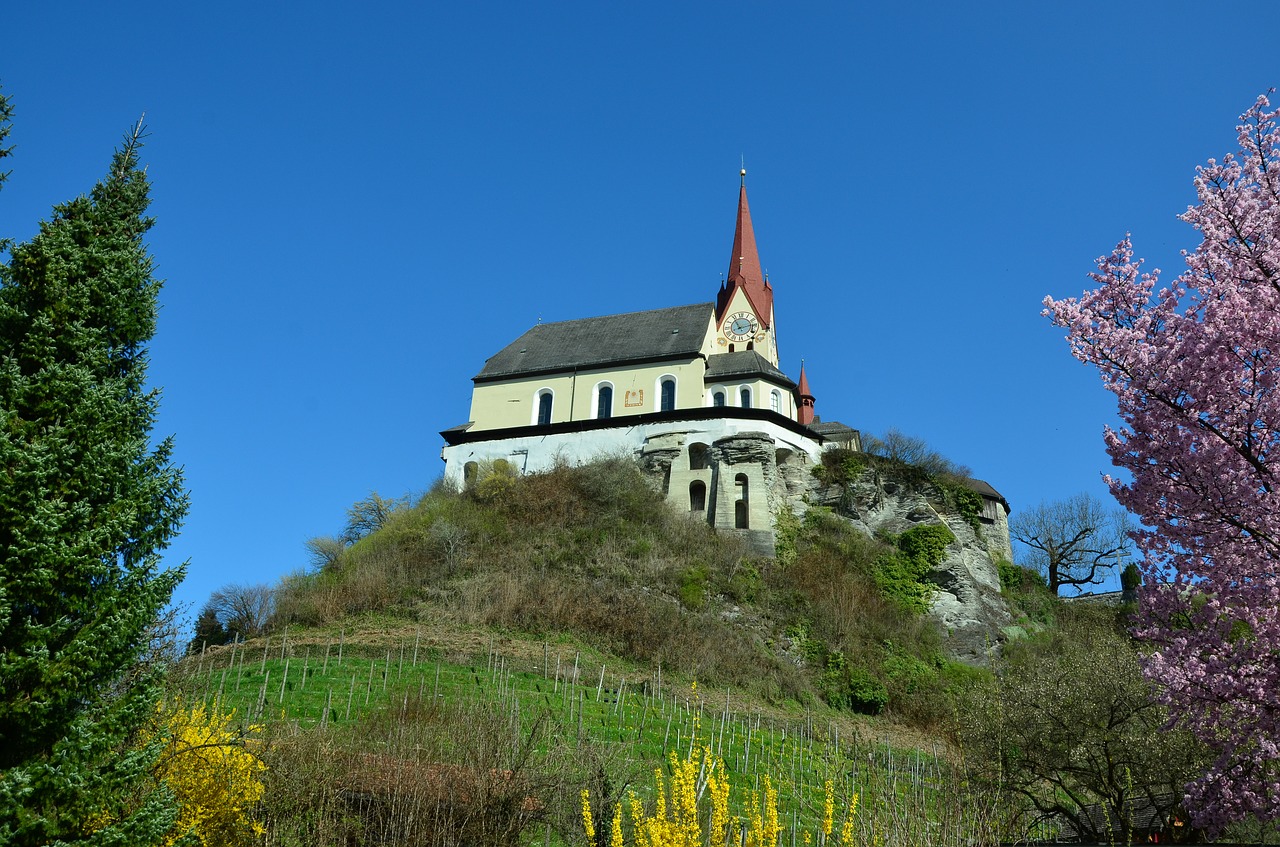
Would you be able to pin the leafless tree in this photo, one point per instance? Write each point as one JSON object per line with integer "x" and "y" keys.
{"x": 370, "y": 515}
{"x": 451, "y": 540}
{"x": 913, "y": 452}
{"x": 1074, "y": 542}
{"x": 243, "y": 609}
{"x": 324, "y": 551}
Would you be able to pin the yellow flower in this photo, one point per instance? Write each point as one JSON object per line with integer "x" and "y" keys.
{"x": 828, "y": 808}
{"x": 215, "y": 779}
{"x": 588, "y": 825}
{"x": 846, "y": 829}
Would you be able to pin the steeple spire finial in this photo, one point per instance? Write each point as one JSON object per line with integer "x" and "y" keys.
{"x": 744, "y": 264}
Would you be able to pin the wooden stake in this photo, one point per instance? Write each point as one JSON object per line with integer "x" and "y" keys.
{"x": 284, "y": 680}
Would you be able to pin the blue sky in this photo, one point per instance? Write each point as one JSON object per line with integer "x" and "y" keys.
{"x": 355, "y": 208}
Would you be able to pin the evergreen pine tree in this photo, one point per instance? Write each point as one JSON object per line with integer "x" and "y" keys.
{"x": 86, "y": 505}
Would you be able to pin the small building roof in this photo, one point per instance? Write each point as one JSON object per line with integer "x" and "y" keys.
{"x": 677, "y": 332}
{"x": 742, "y": 363}
{"x": 836, "y": 431}
{"x": 981, "y": 486}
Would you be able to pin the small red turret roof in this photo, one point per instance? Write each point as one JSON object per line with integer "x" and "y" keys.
{"x": 744, "y": 266}
{"x": 804, "y": 413}
{"x": 803, "y": 388}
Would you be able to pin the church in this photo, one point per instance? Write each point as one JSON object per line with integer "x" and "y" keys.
{"x": 696, "y": 394}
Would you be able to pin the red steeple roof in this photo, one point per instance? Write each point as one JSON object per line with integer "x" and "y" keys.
{"x": 805, "y": 412}
{"x": 744, "y": 267}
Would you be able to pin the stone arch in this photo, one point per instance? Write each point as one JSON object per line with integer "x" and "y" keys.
{"x": 697, "y": 496}
{"x": 741, "y": 502}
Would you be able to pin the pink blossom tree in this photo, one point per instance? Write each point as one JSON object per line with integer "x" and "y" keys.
{"x": 1195, "y": 367}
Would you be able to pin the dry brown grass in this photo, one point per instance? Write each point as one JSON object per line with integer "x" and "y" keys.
{"x": 420, "y": 774}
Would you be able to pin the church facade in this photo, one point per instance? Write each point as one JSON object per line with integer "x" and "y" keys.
{"x": 694, "y": 393}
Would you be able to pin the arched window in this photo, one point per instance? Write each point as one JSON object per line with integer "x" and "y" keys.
{"x": 668, "y": 395}
{"x": 717, "y": 399}
{"x": 751, "y": 345}
{"x": 697, "y": 496}
{"x": 697, "y": 456}
{"x": 544, "y": 407}
{"x": 775, "y": 401}
{"x": 740, "y": 505}
{"x": 604, "y": 400}
{"x": 745, "y": 396}
{"x": 469, "y": 473}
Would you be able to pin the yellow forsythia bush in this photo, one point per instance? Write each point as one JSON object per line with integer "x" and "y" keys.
{"x": 676, "y": 821}
{"x": 215, "y": 777}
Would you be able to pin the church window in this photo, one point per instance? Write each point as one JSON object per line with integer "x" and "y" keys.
{"x": 668, "y": 395}
{"x": 544, "y": 407}
{"x": 751, "y": 345}
{"x": 717, "y": 399}
{"x": 746, "y": 397}
{"x": 697, "y": 456}
{"x": 469, "y": 473}
{"x": 697, "y": 496}
{"x": 740, "y": 506}
{"x": 604, "y": 400}
{"x": 775, "y": 401}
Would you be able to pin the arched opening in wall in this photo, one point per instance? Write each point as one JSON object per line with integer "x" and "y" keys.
{"x": 751, "y": 345}
{"x": 730, "y": 348}
{"x": 697, "y": 456}
{"x": 775, "y": 401}
{"x": 745, "y": 397}
{"x": 544, "y": 408}
{"x": 668, "y": 400}
{"x": 697, "y": 496}
{"x": 740, "y": 505}
{"x": 717, "y": 399}
{"x": 604, "y": 401}
{"x": 469, "y": 473}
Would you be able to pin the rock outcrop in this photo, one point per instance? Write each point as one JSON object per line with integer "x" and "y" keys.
{"x": 967, "y": 602}
{"x": 739, "y": 483}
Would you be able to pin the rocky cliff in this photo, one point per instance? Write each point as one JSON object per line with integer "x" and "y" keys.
{"x": 875, "y": 496}
{"x": 967, "y": 602}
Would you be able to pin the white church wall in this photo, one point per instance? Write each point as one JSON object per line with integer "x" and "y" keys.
{"x": 536, "y": 453}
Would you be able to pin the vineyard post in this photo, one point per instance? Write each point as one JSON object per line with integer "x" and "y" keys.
{"x": 284, "y": 680}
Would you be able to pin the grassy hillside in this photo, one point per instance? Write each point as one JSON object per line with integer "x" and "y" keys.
{"x": 594, "y": 554}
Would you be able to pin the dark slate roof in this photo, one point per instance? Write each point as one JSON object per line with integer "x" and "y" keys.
{"x": 835, "y": 431}
{"x": 743, "y": 363}
{"x": 672, "y": 333}
{"x": 984, "y": 488}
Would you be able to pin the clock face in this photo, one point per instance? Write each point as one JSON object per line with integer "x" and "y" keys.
{"x": 740, "y": 326}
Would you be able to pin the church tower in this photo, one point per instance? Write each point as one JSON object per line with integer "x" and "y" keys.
{"x": 744, "y": 307}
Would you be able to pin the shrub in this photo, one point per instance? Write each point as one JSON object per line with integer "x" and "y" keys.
{"x": 215, "y": 778}
{"x": 839, "y": 466}
{"x": 693, "y": 587}
{"x": 846, "y": 686}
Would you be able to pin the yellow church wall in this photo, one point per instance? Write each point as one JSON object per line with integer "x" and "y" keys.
{"x": 760, "y": 391}
{"x": 514, "y": 402}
